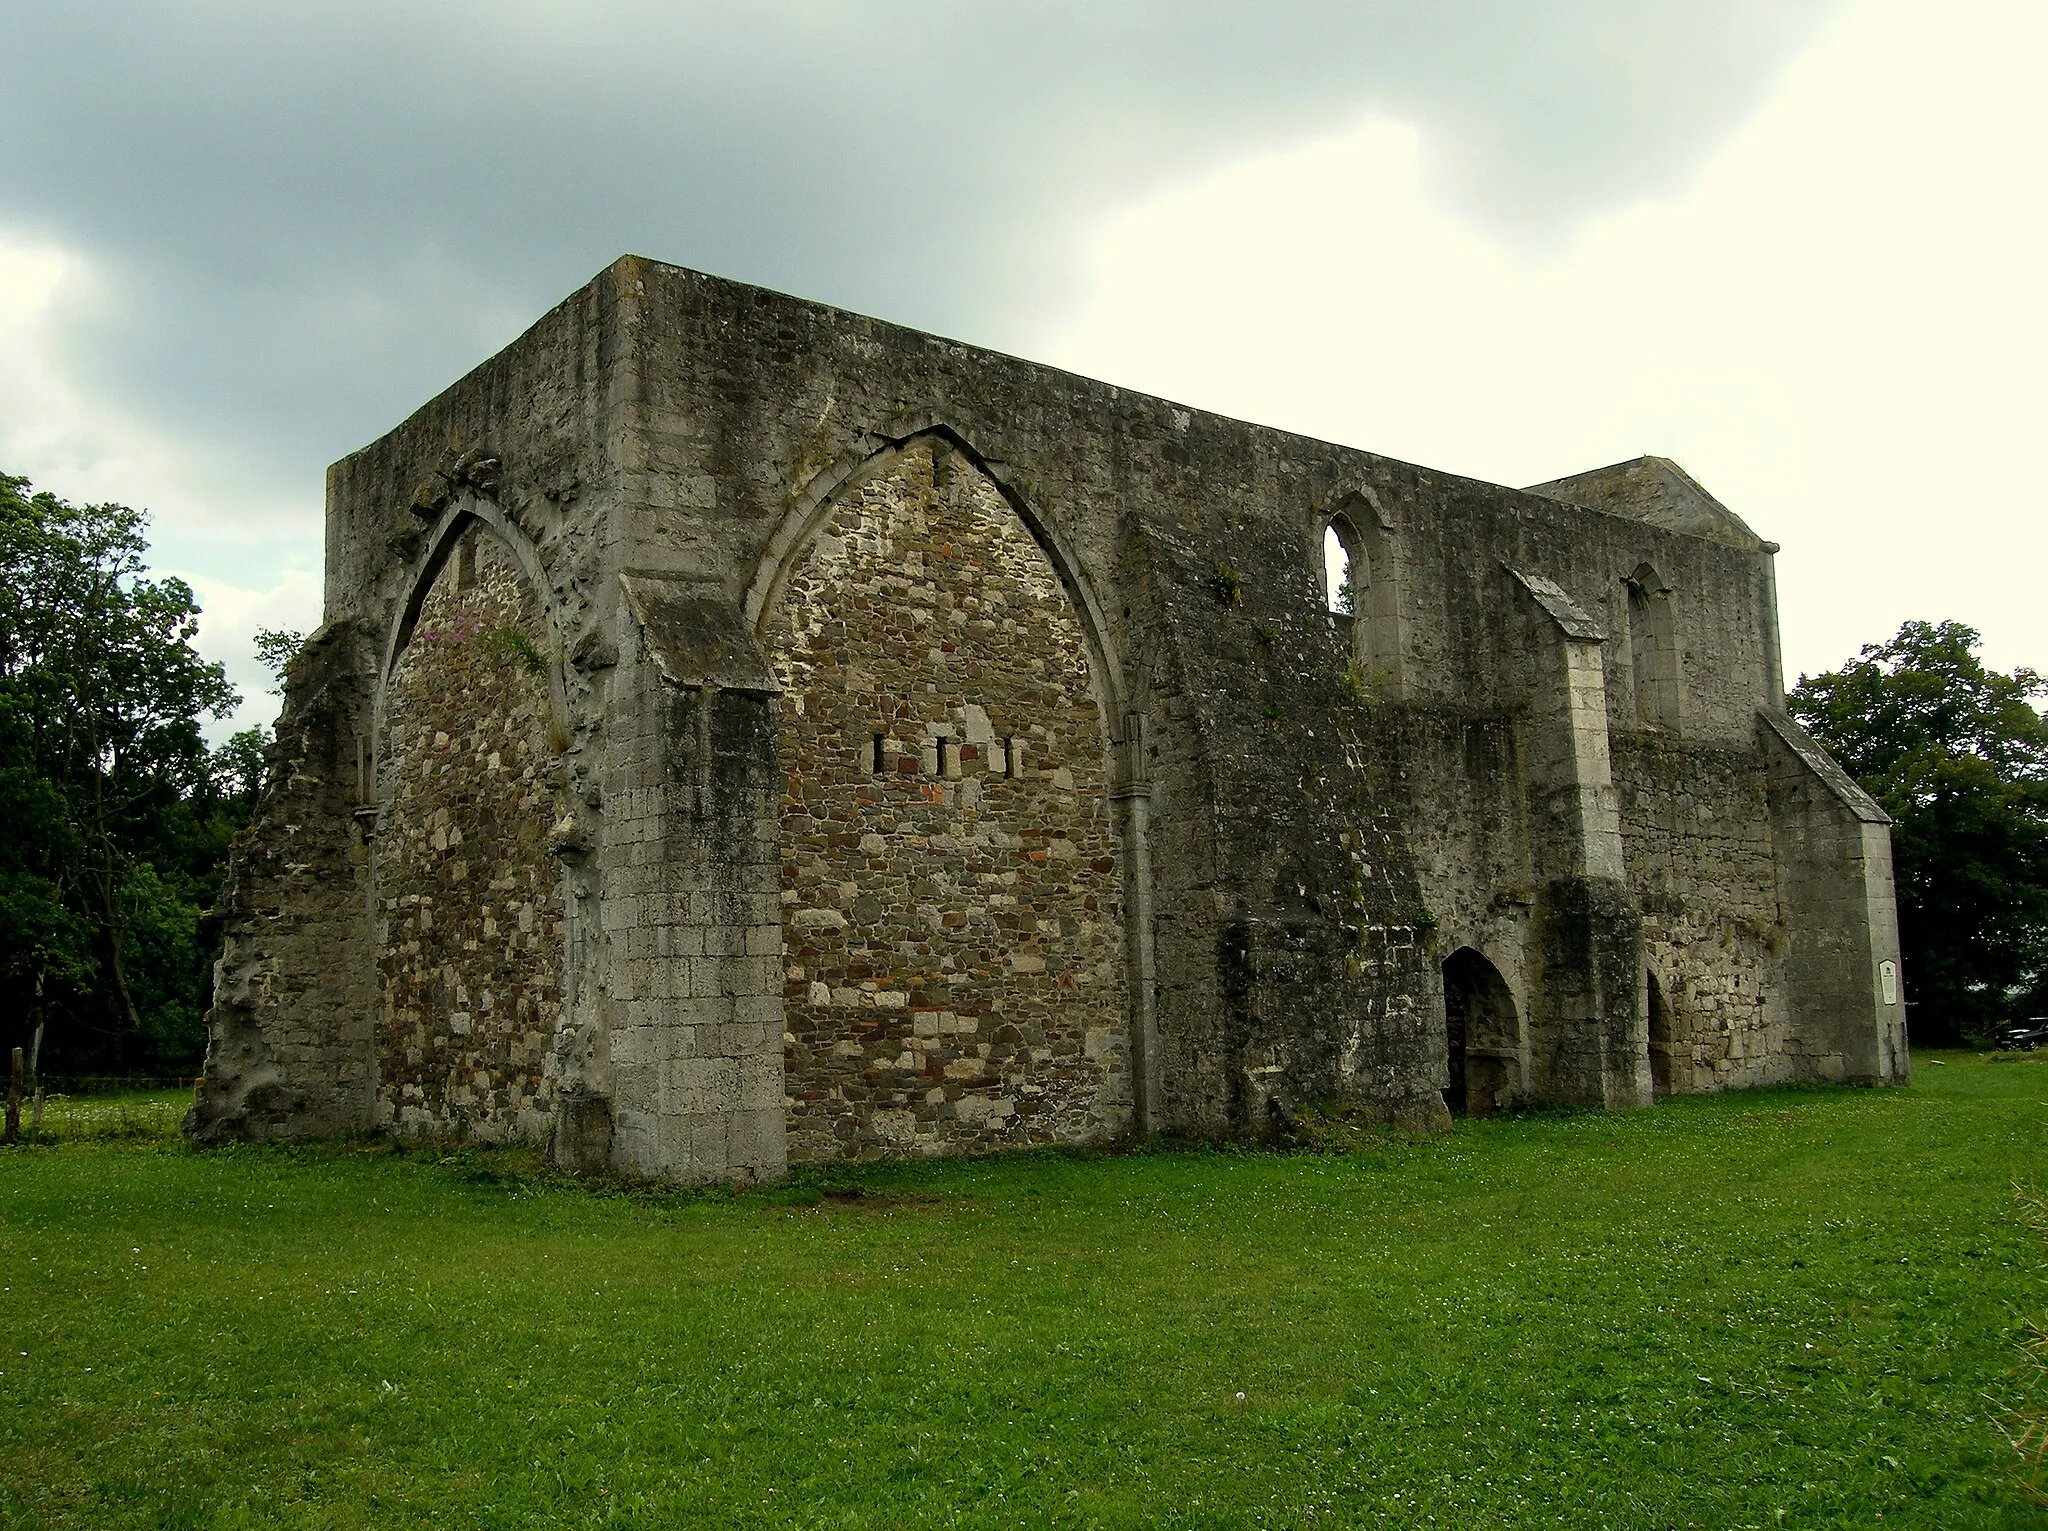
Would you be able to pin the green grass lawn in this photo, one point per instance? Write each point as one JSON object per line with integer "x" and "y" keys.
{"x": 108, "y": 1118}
{"x": 1792, "y": 1308}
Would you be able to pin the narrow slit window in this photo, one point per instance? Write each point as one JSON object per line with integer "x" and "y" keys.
{"x": 944, "y": 768}
{"x": 876, "y": 758}
{"x": 1340, "y": 585}
{"x": 1009, "y": 756}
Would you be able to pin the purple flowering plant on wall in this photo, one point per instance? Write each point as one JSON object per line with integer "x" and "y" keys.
{"x": 463, "y": 626}
{"x": 507, "y": 645}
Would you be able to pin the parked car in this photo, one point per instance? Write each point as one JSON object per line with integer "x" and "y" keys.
{"x": 2022, "y": 1036}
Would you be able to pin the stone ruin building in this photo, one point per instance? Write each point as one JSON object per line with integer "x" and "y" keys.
{"x": 745, "y": 734}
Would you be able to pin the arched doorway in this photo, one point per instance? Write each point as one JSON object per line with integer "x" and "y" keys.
{"x": 953, "y": 936}
{"x": 468, "y": 899}
{"x": 1482, "y": 1029}
{"x": 1658, "y": 1009}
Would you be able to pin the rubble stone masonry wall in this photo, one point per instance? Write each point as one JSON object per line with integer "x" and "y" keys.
{"x": 1696, "y": 826}
{"x": 469, "y": 908}
{"x": 950, "y": 889}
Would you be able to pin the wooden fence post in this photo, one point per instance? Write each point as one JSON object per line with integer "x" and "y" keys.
{"x": 35, "y": 1067}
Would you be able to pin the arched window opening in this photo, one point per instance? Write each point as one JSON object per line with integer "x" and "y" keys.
{"x": 1482, "y": 1032}
{"x": 1653, "y": 652}
{"x": 1344, "y": 570}
{"x": 1659, "y": 1011}
{"x": 1361, "y": 591}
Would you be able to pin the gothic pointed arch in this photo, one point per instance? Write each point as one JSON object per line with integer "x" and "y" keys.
{"x": 453, "y": 537}
{"x": 1482, "y": 1034}
{"x": 810, "y": 509}
{"x": 1656, "y": 666}
{"x": 1347, "y": 570}
{"x": 467, "y": 914}
{"x": 952, "y": 902}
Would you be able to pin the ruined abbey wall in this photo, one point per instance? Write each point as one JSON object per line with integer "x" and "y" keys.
{"x": 952, "y": 927}
{"x": 1696, "y": 832}
{"x": 1159, "y": 840}
{"x": 469, "y": 919}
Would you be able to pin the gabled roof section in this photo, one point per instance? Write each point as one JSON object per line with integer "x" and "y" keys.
{"x": 1656, "y": 490}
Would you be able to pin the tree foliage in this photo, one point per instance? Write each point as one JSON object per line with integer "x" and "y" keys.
{"x": 276, "y": 648}
{"x": 1958, "y": 755}
{"x": 118, "y": 813}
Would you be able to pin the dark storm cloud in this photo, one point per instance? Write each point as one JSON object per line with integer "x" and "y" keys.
{"x": 316, "y": 215}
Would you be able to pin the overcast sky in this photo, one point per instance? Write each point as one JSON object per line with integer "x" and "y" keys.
{"x": 1794, "y": 244}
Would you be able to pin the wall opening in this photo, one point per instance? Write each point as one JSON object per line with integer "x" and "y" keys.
{"x": 1658, "y": 1009}
{"x": 468, "y": 900}
{"x": 1482, "y": 1029}
{"x": 953, "y": 935}
{"x": 1653, "y": 650}
{"x": 1361, "y": 591}
{"x": 1345, "y": 572}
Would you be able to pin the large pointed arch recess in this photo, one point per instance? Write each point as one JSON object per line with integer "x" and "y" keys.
{"x": 467, "y": 913}
{"x": 791, "y": 542}
{"x": 453, "y": 542}
{"x": 952, "y": 905}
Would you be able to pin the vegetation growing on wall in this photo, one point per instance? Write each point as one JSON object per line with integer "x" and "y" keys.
{"x": 118, "y": 814}
{"x": 1958, "y": 755}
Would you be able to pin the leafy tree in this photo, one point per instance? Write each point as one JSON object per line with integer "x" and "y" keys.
{"x": 276, "y": 648}
{"x": 118, "y": 814}
{"x": 237, "y": 768}
{"x": 1958, "y": 755}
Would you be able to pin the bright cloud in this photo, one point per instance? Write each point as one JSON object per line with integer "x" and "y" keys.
{"x": 206, "y": 517}
{"x": 232, "y": 616}
{"x": 42, "y": 419}
{"x": 1836, "y": 328}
